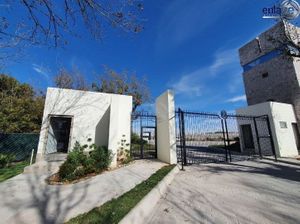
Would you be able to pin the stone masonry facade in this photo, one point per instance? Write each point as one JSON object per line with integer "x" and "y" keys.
{"x": 272, "y": 77}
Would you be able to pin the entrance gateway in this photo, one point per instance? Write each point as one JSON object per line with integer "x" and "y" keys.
{"x": 206, "y": 137}
{"x": 143, "y": 136}
{"x": 210, "y": 137}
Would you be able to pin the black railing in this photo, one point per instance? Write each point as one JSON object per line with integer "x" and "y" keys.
{"x": 143, "y": 136}
{"x": 208, "y": 137}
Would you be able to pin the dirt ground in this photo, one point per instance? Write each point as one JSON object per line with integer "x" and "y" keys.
{"x": 243, "y": 192}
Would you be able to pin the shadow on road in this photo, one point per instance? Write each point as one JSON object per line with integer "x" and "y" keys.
{"x": 29, "y": 199}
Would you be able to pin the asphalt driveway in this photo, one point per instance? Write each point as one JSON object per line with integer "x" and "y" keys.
{"x": 242, "y": 192}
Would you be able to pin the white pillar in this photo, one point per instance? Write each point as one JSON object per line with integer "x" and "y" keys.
{"x": 166, "y": 136}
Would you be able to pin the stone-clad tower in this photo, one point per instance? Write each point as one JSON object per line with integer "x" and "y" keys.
{"x": 271, "y": 64}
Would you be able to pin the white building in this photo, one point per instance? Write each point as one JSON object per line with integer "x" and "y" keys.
{"x": 73, "y": 115}
{"x": 283, "y": 125}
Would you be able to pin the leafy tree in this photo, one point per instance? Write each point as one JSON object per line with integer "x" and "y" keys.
{"x": 21, "y": 109}
{"x": 123, "y": 83}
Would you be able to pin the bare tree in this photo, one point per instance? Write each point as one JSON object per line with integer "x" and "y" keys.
{"x": 51, "y": 22}
{"x": 70, "y": 80}
{"x": 124, "y": 83}
{"x": 110, "y": 81}
{"x": 286, "y": 39}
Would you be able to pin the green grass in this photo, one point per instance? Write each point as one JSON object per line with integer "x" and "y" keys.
{"x": 12, "y": 170}
{"x": 114, "y": 210}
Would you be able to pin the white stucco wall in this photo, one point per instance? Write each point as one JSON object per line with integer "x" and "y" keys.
{"x": 98, "y": 116}
{"x": 284, "y": 138}
{"x": 120, "y": 123}
{"x": 166, "y": 136}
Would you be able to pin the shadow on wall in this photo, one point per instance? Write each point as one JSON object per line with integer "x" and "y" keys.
{"x": 102, "y": 129}
{"x": 60, "y": 106}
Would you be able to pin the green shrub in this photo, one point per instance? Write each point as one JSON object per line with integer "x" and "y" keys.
{"x": 102, "y": 157}
{"x": 79, "y": 163}
{"x": 136, "y": 139}
{"x": 128, "y": 158}
{"x": 89, "y": 167}
{"x": 6, "y": 159}
{"x": 76, "y": 158}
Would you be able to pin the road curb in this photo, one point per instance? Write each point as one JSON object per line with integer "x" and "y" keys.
{"x": 143, "y": 209}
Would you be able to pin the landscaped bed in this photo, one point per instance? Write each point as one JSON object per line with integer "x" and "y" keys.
{"x": 81, "y": 164}
{"x": 55, "y": 179}
{"x": 114, "y": 210}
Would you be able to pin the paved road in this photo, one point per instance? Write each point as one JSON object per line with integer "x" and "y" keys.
{"x": 243, "y": 192}
{"x": 26, "y": 198}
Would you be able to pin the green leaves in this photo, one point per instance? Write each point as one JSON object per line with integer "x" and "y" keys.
{"x": 20, "y": 109}
{"x": 80, "y": 163}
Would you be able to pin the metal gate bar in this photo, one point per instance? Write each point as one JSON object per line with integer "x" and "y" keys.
{"x": 208, "y": 137}
{"x": 143, "y": 147}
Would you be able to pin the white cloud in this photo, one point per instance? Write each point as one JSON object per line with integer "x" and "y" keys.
{"x": 224, "y": 58}
{"x": 237, "y": 99}
{"x": 41, "y": 70}
{"x": 235, "y": 84}
{"x": 194, "y": 83}
{"x": 186, "y": 85}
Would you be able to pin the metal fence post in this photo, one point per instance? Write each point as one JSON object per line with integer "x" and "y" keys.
{"x": 31, "y": 158}
{"x": 224, "y": 138}
{"x": 155, "y": 137}
{"x": 257, "y": 138}
{"x": 182, "y": 137}
{"x": 131, "y": 133}
{"x": 228, "y": 141}
{"x": 141, "y": 136}
{"x": 271, "y": 137}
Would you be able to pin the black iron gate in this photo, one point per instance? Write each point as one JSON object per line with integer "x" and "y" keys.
{"x": 209, "y": 137}
{"x": 143, "y": 136}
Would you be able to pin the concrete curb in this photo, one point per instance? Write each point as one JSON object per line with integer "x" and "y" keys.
{"x": 143, "y": 209}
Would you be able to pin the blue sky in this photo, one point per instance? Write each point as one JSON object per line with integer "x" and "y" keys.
{"x": 189, "y": 46}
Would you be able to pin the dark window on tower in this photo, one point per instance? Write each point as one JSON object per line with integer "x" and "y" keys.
{"x": 265, "y": 75}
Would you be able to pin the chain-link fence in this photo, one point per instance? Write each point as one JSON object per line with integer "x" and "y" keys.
{"x": 19, "y": 144}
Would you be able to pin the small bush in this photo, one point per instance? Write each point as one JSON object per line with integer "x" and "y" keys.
{"x": 76, "y": 158}
{"x": 136, "y": 139}
{"x": 128, "y": 158}
{"x": 123, "y": 153}
{"x": 102, "y": 157}
{"x": 6, "y": 160}
{"x": 79, "y": 163}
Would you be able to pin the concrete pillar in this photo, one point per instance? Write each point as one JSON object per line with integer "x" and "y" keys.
{"x": 166, "y": 135}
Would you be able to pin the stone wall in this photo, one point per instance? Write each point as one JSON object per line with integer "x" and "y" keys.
{"x": 269, "y": 40}
{"x": 282, "y": 82}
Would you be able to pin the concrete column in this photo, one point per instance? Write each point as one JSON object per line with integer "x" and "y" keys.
{"x": 119, "y": 125}
{"x": 166, "y": 136}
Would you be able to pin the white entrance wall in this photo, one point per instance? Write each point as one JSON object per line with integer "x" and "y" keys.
{"x": 166, "y": 136}
{"x": 279, "y": 115}
{"x": 105, "y": 118}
